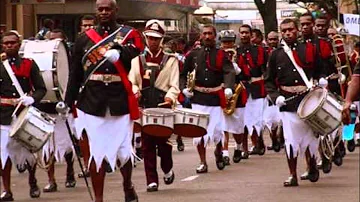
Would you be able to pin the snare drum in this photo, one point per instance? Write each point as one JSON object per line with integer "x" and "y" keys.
{"x": 321, "y": 110}
{"x": 52, "y": 60}
{"x": 158, "y": 122}
{"x": 190, "y": 123}
{"x": 32, "y": 129}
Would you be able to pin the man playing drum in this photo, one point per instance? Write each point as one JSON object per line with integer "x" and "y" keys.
{"x": 214, "y": 80}
{"x": 155, "y": 78}
{"x": 233, "y": 123}
{"x": 252, "y": 60}
{"x": 292, "y": 76}
{"x": 106, "y": 106}
{"x": 28, "y": 75}
{"x": 61, "y": 147}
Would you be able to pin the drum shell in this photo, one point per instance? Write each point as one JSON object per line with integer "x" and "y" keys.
{"x": 326, "y": 117}
{"x": 52, "y": 58}
{"x": 189, "y": 123}
{"x": 32, "y": 129}
{"x": 159, "y": 124}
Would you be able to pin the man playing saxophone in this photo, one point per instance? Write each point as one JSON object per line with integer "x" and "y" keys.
{"x": 233, "y": 121}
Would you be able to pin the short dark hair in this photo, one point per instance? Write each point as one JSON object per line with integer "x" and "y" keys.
{"x": 258, "y": 33}
{"x": 289, "y": 20}
{"x": 210, "y": 26}
{"x": 323, "y": 17}
{"x": 88, "y": 17}
{"x": 48, "y": 23}
{"x": 246, "y": 26}
{"x": 307, "y": 14}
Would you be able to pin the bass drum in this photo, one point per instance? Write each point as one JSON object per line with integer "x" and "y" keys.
{"x": 52, "y": 58}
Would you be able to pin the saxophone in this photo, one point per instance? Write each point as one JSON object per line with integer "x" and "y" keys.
{"x": 190, "y": 83}
{"x": 231, "y": 103}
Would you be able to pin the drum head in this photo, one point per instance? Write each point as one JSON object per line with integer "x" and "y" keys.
{"x": 190, "y": 111}
{"x": 157, "y": 130}
{"x": 186, "y": 130}
{"x": 311, "y": 102}
{"x": 158, "y": 112}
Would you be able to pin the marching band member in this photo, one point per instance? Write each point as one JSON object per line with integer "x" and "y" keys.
{"x": 106, "y": 106}
{"x": 233, "y": 123}
{"x": 212, "y": 68}
{"x": 252, "y": 60}
{"x": 155, "y": 71}
{"x": 28, "y": 74}
{"x": 283, "y": 80}
{"x": 61, "y": 147}
{"x": 271, "y": 111}
{"x": 355, "y": 54}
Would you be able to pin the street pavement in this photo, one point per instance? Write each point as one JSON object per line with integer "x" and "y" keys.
{"x": 257, "y": 179}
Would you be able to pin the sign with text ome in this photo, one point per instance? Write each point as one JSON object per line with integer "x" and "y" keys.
{"x": 352, "y": 24}
{"x": 37, "y": 1}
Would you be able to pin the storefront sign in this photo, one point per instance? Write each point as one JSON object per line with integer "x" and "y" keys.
{"x": 352, "y": 24}
{"x": 287, "y": 13}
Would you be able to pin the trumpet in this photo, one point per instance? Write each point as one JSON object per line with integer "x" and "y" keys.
{"x": 232, "y": 52}
{"x": 190, "y": 83}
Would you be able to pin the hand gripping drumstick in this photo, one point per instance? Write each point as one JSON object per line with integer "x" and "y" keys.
{"x": 62, "y": 109}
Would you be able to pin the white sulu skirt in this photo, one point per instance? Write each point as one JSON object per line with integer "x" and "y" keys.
{"x": 61, "y": 144}
{"x": 214, "y": 130}
{"x": 298, "y": 134}
{"x": 271, "y": 115}
{"x": 254, "y": 110}
{"x": 234, "y": 123}
{"x": 109, "y": 137}
{"x": 10, "y": 148}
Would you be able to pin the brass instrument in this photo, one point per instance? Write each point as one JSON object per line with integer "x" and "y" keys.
{"x": 231, "y": 103}
{"x": 190, "y": 83}
{"x": 341, "y": 59}
{"x": 233, "y": 53}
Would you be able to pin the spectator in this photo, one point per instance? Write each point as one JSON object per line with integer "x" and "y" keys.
{"x": 45, "y": 30}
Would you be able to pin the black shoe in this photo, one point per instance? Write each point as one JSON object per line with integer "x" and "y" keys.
{"x": 291, "y": 182}
{"x": 254, "y": 150}
{"x": 34, "y": 191}
{"x": 351, "y": 145}
{"x": 86, "y": 172}
{"x": 131, "y": 196}
{"x": 6, "y": 196}
{"x": 51, "y": 187}
{"x": 202, "y": 168}
{"x": 70, "y": 181}
{"x": 313, "y": 175}
{"x": 108, "y": 168}
{"x": 326, "y": 165}
{"x": 152, "y": 187}
{"x": 138, "y": 153}
{"x": 169, "y": 180}
{"x": 237, "y": 156}
{"x": 220, "y": 163}
{"x": 305, "y": 176}
{"x": 270, "y": 148}
{"x": 244, "y": 155}
{"x": 180, "y": 145}
{"x": 21, "y": 168}
{"x": 276, "y": 146}
{"x": 261, "y": 146}
{"x": 227, "y": 160}
{"x": 338, "y": 160}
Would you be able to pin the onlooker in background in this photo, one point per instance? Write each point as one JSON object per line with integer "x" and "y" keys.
{"x": 257, "y": 37}
{"x": 45, "y": 30}
{"x": 331, "y": 32}
{"x": 272, "y": 41}
{"x": 87, "y": 22}
{"x": 355, "y": 55}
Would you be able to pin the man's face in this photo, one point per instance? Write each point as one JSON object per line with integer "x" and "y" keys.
{"x": 105, "y": 11}
{"x": 153, "y": 43}
{"x": 227, "y": 44}
{"x": 307, "y": 25}
{"x": 289, "y": 32}
{"x": 331, "y": 32}
{"x": 273, "y": 40}
{"x": 11, "y": 45}
{"x": 244, "y": 35}
{"x": 208, "y": 36}
{"x": 255, "y": 39}
{"x": 86, "y": 25}
{"x": 56, "y": 35}
{"x": 321, "y": 27}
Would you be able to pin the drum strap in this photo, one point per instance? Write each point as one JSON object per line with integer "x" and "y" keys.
{"x": 13, "y": 78}
{"x": 132, "y": 100}
{"x": 308, "y": 83}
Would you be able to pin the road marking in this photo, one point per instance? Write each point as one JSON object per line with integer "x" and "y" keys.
{"x": 190, "y": 178}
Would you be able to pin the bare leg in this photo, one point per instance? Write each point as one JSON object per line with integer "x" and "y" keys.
{"x": 97, "y": 180}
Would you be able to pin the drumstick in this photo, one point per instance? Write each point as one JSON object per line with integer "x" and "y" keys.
{"x": 17, "y": 107}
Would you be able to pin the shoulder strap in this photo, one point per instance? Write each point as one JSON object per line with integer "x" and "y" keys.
{"x": 13, "y": 77}
{"x": 287, "y": 50}
{"x": 93, "y": 35}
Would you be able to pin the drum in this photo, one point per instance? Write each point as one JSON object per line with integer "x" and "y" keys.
{"x": 52, "y": 59}
{"x": 158, "y": 122}
{"x": 190, "y": 123}
{"x": 321, "y": 110}
{"x": 32, "y": 128}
